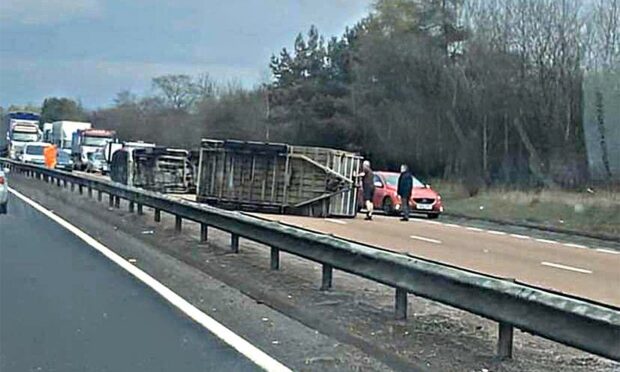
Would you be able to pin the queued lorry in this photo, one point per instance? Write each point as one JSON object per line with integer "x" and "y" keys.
{"x": 278, "y": 178}
{"x": 62, "y": 133}
{"x": 18, "y": 129}
{"x": 85, "y": 142}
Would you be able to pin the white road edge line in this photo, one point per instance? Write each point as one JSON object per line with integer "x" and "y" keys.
{"x": 564, "y": 267}
{"x": 250, "y": 351}
{"x": 332, "y": 220}
{"x": 520, "y": 236}
{"x": 573, "y": 245}
{"x": 473, "y": 229}
{"x": 547, "y": 241}
{"x": 428, "y": 240}
{"x": 496, "y": 232}
{"x": 452, "y": 225}
{"x": 603, "y": 250}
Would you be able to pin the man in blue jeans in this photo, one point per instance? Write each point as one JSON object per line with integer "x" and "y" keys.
{"x": 405, "y": 186}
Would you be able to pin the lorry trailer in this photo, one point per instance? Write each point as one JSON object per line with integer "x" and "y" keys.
{"x": 278, "y": 178}
{"x": 62, "y": 133}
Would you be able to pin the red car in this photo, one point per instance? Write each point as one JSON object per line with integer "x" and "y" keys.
{"x": 423, "y": 199}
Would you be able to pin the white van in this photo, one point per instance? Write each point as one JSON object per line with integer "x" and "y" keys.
{"x": 33, "y": 153}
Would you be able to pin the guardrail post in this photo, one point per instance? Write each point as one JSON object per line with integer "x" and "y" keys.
{"x": 72, "y": 187}
{"x": 275, "y": 258}
{"x": 504, "y": 342}
{"x": 157, "y": 215}
{"x": 64, "y": 183}
{"x": 204, "y": 232}
{"x": 58, "y": 182}
{"x": 234, "y": 243}
{"x": 178, "y": 224}
{"x": 400, "y": 304}
{"x": 131, "y": 207}
{"x": 117, "y": 202}
{"x": 90, "y": 192}
{"x": 80, "y": 189}
{"x": 140, "y": 209}
{"x": 326, "y": 279}
{"x": 99, "y": 195}
{"x": 111, "y": 200}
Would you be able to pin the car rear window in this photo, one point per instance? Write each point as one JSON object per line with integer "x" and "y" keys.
{"x": 34, "y": 150}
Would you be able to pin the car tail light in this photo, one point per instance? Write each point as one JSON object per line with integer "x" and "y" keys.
{"x": 1, "y": 180}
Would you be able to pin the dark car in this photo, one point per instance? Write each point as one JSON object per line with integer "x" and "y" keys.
{"x": 63, "y": 161}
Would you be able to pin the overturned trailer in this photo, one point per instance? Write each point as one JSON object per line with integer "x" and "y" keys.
{"x": 278, "y": 178}
{"x": 154, "y": 168}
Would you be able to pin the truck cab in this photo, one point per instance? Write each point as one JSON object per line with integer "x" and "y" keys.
{"x": 20, "y": 134}
{"x": 88, "y": 141}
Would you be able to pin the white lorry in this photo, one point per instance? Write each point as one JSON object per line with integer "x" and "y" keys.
{"x": 19, "y": 128}
{"x": 62, "y": 133}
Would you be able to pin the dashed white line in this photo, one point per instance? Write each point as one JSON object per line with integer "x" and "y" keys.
{"x": 256, "y": 355}
{"x": 473, "y": 229}
{"x": 520, "y": 236}
{"x": 428, "y": 240}
{"x": 564, "y": 267}
{"x": 572, "y": 245}
{"x": 336, "y": 221}
{"x": 602, "y": 250}
{"x": 547, "y": 241}
{"x": 496, "y": 232}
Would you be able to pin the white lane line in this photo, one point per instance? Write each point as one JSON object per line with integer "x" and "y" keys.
{"x": 428, "y": 240}
{"x": 433, "y": 222}
{"x": 547, "y": 241}
{"x": 564, "y": 267}
{"x": 474, "y": 229}
{"x": 250, "y": 351}
{"x": 572, "y": 245}
{"x": 452, "y": 225}
{"x": 336, "y": 221}
{"x": 496, "y": 232}
{"x": 520, "y": 236}
{"x": 602, "y": 250}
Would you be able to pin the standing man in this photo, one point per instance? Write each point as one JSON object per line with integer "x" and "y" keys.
{"x": 405, "y": 185}
{"x": 368, "y": 188}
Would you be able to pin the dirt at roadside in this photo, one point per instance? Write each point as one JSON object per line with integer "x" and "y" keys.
{"x": 356, "y": 312}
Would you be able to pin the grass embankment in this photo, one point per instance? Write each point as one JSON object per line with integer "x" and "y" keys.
{"x": 595, "y": 212}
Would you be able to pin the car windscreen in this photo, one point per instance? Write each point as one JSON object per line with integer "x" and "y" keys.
{"x": 25, "y": 137}
{"x": 392, "y": 179}
{"x": 35, "y": 150}
{"x": 63, "y": 156}
{"x": 95, "y": 141}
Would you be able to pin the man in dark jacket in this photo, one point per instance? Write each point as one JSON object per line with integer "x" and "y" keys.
{"x": 368, "y": 188}
{"x": 405, "y": 186}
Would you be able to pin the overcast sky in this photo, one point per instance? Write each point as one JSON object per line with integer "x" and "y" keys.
{"x": 92, "y": 49}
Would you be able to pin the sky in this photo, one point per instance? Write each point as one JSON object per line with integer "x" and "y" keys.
{"x": 92, "y": 49}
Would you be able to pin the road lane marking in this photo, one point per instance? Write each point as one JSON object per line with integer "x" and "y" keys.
{"x": 474, "y": 229}
{"x": 336, "y": 221}
{"x": 564, "y": 267}
{"x": 520, "y": 236}
{"x": 547, "y": 241}
{"x": 433, "y": 222}
{"x": 572, "y": 245}
{"x": 602, "y": 250}
{"x": 452, "y": 225}
{"x": 219, "y": 330}
{"x": 428, "y": 240}
{"x": 496, "y": 232}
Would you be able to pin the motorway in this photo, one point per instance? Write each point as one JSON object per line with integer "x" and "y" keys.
{"x": 66, "y": 307}
{"x": 565, "y": 267}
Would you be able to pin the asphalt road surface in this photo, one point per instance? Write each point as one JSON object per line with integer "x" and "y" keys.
{"x": 65, "y": 307}
{"x": 565, "y": 267}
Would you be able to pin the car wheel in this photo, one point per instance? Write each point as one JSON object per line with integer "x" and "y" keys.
{"x": 432, "y": 216}
{"x": 4, "y": 208}
{"x": 388, "y": 206}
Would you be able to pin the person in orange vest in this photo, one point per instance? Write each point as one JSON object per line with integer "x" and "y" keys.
{"x": 50, "y": 153}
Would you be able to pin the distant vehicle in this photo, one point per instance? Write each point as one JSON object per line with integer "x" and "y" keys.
{"x": 34, "y": 153}
{"x": 64, "y": 162}
{"x": 4, "y": 191}
{"x": 87, "y": 141}
{"x": 97, "y": 163}
{"x": 62, "y": 133}
{"x": 17, "y": 129}
{"x": 423, "y": 200}
{"x": 47, "y": 132}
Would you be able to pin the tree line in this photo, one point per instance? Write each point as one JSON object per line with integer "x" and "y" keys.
{"x": 483, "y": 91}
